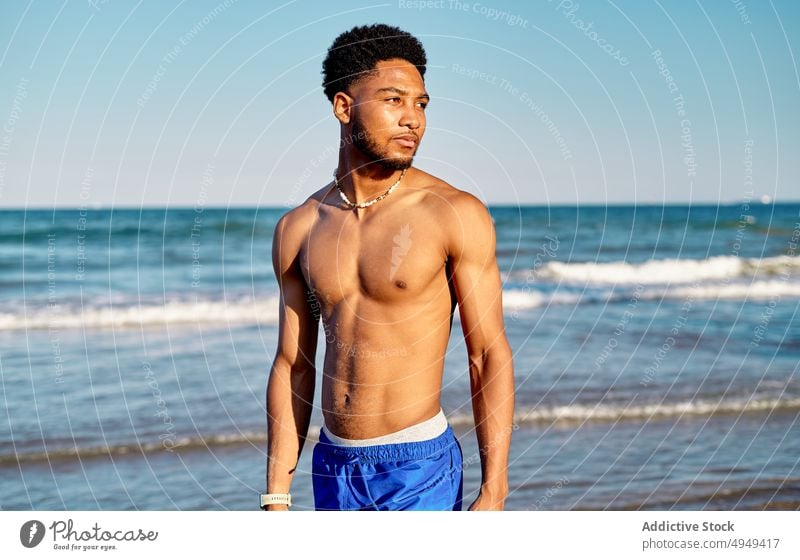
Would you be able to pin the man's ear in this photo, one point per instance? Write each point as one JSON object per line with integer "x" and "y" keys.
{"x": 343, "y": 107}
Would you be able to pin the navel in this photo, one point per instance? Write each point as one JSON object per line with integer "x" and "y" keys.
{"x": 346, "y": 399}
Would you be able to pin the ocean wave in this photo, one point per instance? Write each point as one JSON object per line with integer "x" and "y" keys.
{"x": 245, "y": 310}
{"x": 666, "y": 271}
{"x": 538, "y": 415}
{"x": 121, "y": 449}
{"x": 652, "y": 411}
{"x": 122, "y": 314}
{"x": 761, "y": 289}
{"x": 516, "y": 300}
{"x": 264, "y": 311}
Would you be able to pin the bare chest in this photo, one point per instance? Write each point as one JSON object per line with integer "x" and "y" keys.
{"x": 390, "y": 258}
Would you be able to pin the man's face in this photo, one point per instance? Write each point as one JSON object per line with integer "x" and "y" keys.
{"x": 388, "y": 119}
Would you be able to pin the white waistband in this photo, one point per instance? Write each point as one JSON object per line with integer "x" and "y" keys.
{"x": 425, "y": 430}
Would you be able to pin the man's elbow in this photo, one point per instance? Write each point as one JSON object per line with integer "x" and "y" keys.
{"x": 298, "y": 366}
{"x": 491, "y": 360}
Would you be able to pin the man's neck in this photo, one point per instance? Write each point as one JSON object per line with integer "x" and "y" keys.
{"x": 362, "y": 182}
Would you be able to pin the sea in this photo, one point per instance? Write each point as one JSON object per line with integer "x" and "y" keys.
{"x": 656, "y": 355}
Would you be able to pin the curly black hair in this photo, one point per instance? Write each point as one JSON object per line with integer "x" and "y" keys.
{"x": 355, "y": 53}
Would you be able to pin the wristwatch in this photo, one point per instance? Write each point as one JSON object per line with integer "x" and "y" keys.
{"x": 271, "y": 499}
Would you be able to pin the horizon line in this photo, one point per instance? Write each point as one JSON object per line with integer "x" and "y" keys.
{"x": 755, "y": 202}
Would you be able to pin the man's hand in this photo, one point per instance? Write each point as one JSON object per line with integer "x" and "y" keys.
{"x": 485, "y": 502}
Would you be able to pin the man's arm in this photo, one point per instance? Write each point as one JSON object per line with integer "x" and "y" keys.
{"x": 290, "y": 390}
{"x": 478, "y": 289}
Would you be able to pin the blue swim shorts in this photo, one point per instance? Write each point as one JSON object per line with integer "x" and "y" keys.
{"x": 422, "y": 475}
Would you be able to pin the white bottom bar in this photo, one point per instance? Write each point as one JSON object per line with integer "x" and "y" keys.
{"x": 401, "y": 535}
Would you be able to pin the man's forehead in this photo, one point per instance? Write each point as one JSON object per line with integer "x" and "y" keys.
{"x": 398, "y": 74}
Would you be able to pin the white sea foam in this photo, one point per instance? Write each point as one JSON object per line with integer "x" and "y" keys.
{"x": 614, "y": 412}
{"x": 517, "y": 300}
{"x": 761, "y": 289}
{"x": 120, "y": 315}
{"x": 514, "y": 300}
{"x": 668, "y": 271}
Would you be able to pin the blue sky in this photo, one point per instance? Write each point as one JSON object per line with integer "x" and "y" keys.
{"x": 219, "y": 103}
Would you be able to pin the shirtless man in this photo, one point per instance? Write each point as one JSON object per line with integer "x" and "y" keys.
{"x": 385, "y": 279}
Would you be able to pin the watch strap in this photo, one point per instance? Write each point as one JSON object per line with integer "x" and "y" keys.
{"x": 272, "y": 499}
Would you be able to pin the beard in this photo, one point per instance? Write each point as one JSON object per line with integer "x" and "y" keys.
{"x": 376, "y": 153}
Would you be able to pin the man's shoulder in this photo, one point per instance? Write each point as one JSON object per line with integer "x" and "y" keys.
{"x": 463, "y": 216}
{"x": 454, "y": 202}
{"x": 457, "y": 199}
{"x": 300, "y": 218}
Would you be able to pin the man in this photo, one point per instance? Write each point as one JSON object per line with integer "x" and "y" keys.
{"x": 382, "y": 255}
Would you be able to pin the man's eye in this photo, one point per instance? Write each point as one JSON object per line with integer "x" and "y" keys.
{"x": 423, "y": 105}
{"x": 393, "y": 99}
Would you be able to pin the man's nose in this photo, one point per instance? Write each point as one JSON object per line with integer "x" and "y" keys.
{"x": 410, "y": 117}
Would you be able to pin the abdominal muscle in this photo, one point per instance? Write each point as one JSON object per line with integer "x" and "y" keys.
{"x": 381, "y": 376}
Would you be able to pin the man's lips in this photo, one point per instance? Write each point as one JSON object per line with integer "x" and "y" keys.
{"x": 407, "y": 140}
